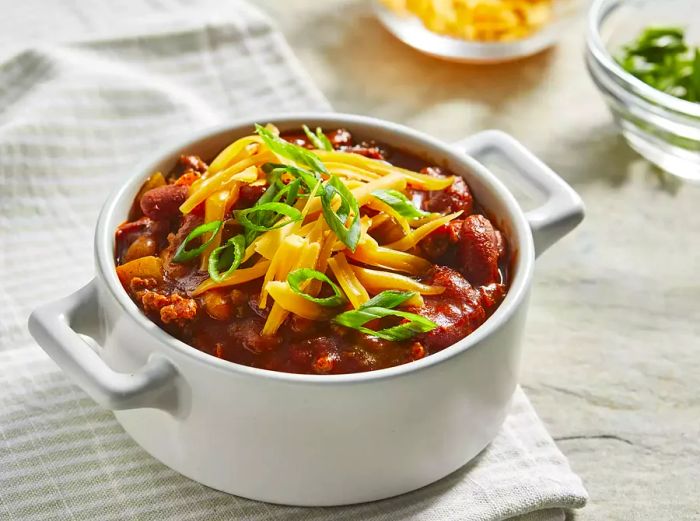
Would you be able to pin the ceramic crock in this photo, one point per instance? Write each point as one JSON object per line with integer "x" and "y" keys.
{"x": 310, "y": 439}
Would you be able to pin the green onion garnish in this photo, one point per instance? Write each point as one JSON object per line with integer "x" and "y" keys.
{"x": 381, "y": 306}
{"x": 246, "y": 218}
{"x": 319, "y": 140}
{"x": 337, "y": 219}
{"x": 283, "y": 148}
{"x": 661, "y": 58}
{"x": 230, "y": 254}
{"x": 400, "y": 203}
{"x": 275, "y": 170}
{"x": 182, "y": 254}
{"x": 297, "y": 277}
{"x": 290, "y": 192}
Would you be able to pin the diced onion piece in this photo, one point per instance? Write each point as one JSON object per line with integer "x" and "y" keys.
{"x": 143, "y": 267}
{"x": 417, "y": 235}
{"x": 353, "y": 288}
{"x": 416, "y": 180}
{"x": 376, "y": 281}
{"x": 239, "y": 276}
{"x": 231, "y": 153}
{"x": 368, "y": 252}
{"x": 215, "y": 208}
{"x": 293, "y": 303}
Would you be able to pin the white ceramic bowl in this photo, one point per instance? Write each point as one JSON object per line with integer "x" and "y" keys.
{"x": 309, "y": 439}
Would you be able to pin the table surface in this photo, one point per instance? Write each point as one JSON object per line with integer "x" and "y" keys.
{"x": 612, "y": 357}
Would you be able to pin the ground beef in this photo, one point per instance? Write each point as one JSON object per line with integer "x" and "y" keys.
{"x": 186, "y": 164}
{"x": 170, "y": 308}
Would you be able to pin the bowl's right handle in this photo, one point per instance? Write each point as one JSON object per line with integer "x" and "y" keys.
{"x": 51, "y": 326}
{"x": 562, "y": 209}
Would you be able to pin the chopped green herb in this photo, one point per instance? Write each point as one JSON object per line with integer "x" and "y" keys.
{"x": 381, "y": 306}
{"x": 297, "y": 277}
{"x": 230, "y": 254}
{"x": 337, "y": 218}
{"x": 661, "y": 58}
{"x": 400, "y": 203}
{"x": 182, "y": 254}
{"x": 275, "y": 209}
{"x": 319, "y": 140}
{"x": 299, "y": 155}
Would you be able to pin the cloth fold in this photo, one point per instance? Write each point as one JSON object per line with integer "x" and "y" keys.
{"x": 76, "y": 113}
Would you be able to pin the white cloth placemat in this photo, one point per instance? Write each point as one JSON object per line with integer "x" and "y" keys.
{"x": 107, "y": 85}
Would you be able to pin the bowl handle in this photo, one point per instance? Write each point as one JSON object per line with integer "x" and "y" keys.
{"x": 51, "y": 325}
{"x": 562, "y": 209}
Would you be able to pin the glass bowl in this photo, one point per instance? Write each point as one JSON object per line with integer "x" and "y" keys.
{"x": 410, "y": 30}
{"x": 662, "y": 128}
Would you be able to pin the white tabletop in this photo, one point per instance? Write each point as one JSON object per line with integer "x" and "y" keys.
{"x": 612, "y": 359}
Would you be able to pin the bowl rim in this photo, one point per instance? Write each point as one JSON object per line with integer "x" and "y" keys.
{"x": 599, "y": 11}
{"x": 515, "y": 297}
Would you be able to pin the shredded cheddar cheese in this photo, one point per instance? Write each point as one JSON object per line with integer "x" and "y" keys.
{"x": 383, "y": 255}
{"x": 478, "y": 20}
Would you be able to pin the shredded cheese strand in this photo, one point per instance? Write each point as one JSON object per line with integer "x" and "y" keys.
{"x": 422, "y": 181}
{"x": 417, "y": 235}
{"x": 377, "y": 281}
{"x": 353, "y": 288}
{"x": 239, "y": 276}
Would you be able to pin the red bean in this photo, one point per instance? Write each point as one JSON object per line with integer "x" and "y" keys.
{"x": 477, "y": 251}
{"x": 164, "y": 202}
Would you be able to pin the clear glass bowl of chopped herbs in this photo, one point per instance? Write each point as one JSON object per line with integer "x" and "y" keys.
{"x": 644, "y": 56}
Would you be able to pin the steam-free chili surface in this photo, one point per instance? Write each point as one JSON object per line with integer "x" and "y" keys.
{"x": 469, "y": 254}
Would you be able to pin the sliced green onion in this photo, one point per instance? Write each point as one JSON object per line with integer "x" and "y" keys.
{"x": 380, "y": 307}
{"x": 182, "y": 254}
{"x": 661, "y": 58}
{"x": 337, "y": 219}
{"x": 389, "y": 298}
{"x": 297, "y": 277}
{"x": 288, "y": 150}
{"x": 318, "y": 140}
{"x": 230, "y": 254}
{"x": 309, "y": 179}
{"x": 290, "y": 192}
{"x": 276, "y": 208}
{"x": 399, "y": 202}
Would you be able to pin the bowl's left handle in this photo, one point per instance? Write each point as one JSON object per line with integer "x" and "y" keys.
{"x": 50, "y": 325}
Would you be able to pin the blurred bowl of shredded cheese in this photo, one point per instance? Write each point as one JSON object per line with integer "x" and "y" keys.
{"x": 475, "y": 30}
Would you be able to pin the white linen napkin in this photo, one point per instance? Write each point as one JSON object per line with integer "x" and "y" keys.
{"x": 76, "y": 113}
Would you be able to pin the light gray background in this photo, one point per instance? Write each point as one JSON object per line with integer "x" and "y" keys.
{"x": 612, "y": 352}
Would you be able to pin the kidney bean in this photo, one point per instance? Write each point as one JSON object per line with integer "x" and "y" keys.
{"x": 477, "y": 251}
{"x": 164, "y": 202}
